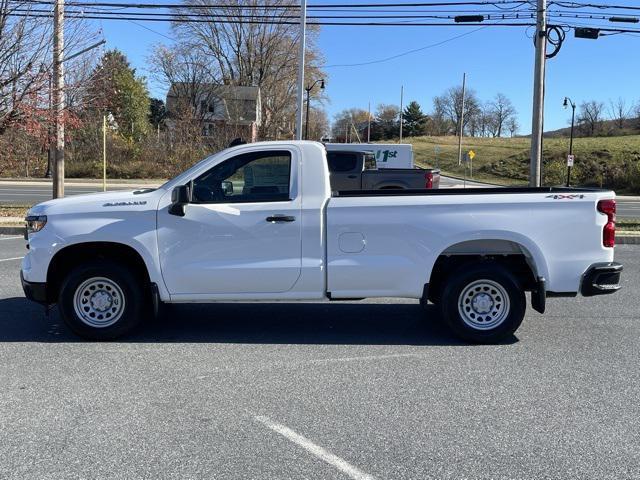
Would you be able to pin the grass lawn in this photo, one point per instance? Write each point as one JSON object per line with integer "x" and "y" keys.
{"x": 600, "y": 161}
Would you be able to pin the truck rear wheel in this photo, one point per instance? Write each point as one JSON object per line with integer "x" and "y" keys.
{"x": 101, "y": 300}
{"x": 483, "y": 303}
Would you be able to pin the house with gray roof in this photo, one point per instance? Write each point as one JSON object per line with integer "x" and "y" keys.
{"x": 218, "y": 108}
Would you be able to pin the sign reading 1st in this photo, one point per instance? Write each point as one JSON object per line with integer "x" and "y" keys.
{"x": 386, "y": 155}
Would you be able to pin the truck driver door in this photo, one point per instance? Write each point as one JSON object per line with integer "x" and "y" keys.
{"x": 241, "y": 232}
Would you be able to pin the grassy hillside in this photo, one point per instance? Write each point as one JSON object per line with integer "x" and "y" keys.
{"x": 612, "y": 162}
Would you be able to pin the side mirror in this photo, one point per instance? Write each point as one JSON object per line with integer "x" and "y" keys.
{"x": 227, "y": 187}
{"x": 179, "y": 199}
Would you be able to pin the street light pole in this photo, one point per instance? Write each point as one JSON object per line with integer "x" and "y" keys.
{"x": 573, "y": 116}
{"x": 308, "y": 90}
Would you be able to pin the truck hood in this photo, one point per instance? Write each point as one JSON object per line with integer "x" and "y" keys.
{"x": 100, "y": 202}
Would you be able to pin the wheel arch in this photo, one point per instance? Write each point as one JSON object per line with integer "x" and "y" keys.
{"x": 72, "y": 255}
{"x": 520, "y": 255}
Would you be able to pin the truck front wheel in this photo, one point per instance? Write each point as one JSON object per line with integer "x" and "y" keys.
{"x": 101, "y": 300}
{"x": 483, "y": 303}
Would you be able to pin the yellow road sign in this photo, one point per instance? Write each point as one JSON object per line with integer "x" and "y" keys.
{"x": 472, "y": 154}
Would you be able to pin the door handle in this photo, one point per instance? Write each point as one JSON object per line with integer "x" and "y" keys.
{"x": 352, "y": 176}
{"x": 281, "y": 218}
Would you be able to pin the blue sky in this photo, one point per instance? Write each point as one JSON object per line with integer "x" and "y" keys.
{"x": 496, "y": 59}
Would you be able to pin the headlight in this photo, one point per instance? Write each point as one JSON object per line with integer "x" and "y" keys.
{"x": 35, "y": 223}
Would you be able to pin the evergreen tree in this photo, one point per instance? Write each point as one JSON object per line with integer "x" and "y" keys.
{"x": 116, "y": 90}
{"x": 157, "y": 112}
{"x": 415, "y": 121}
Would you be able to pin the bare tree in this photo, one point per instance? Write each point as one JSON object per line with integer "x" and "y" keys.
{"x": 619, "y": 111}
{"x": 188, "y": 75}
{"x": 245, "y": 49}
{"x": 348, "y": 124}
{"x": 512, "y": 125}
{"x": 449, "y": 105}
{"x": 24, "y": 59}
{"x": 501, "y": 110}
{"x": 318, "y": 123}
{"x": 590, "y": 117}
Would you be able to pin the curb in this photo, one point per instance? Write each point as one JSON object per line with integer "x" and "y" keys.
{"x": 6, "y": 230}
{"x": 628, "y": 240}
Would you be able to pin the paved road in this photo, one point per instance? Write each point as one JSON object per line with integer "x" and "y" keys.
{"x": 359, "y": 390}
{"x": 19, "y": 194}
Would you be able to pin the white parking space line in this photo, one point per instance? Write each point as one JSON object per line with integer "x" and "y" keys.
{"x": 10, "y": 259}
{"x": 328, "y": 457}
{"x": 11, "y": 238}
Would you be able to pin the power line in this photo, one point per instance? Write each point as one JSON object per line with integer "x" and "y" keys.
{"x": 248, "y": 20}
{"x": 274, "y": 21}
{"x": 284, "y": 7}
{"x": 408, "y": 52}
{"x": 601, "y": 6}
{"x": 500, "y": 16}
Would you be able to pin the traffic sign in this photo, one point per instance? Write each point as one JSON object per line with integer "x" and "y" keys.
{"x": 570, "y": 159}
{"x": 471, "y": 154}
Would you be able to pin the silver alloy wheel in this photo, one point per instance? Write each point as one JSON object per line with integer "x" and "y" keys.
{"x": 483, "y": 304}
{"x": 99, "y": 302}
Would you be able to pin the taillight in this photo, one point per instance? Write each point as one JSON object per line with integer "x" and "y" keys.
{"x": 608, "y": 207}
{"x": 428, "y": 180}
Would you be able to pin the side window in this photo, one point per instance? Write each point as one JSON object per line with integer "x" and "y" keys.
{"x": 370, "y": 161}
{"x": 342, "y": 161}
{"x": 252, "y": 177}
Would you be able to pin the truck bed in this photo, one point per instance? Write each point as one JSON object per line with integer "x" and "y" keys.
{"x": 464, "y": 191}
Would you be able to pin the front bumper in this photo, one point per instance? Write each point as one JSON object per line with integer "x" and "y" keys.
{"x": 601, "y": 279}
{"x": 34, "y": 290}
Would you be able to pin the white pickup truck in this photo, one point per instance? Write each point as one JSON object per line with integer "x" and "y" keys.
{"x": 259, "y": 222}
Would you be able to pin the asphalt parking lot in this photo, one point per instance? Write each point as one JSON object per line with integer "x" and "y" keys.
{"x": 371, "y": 389}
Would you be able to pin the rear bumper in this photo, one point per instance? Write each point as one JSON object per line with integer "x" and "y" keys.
{"x": 601, "y": 279}
{"x": 34, "y": 290}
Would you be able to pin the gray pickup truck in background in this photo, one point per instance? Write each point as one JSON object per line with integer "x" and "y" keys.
{"x": 359, "y": 171}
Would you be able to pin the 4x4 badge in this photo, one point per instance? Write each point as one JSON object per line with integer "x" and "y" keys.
{"x": 571, "y": 196}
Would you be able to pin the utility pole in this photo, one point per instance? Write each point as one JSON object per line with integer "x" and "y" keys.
{"x": 58, "y": 97}
{"x": 303, "y": 35}
{"x": 369, "y": 123}
{"x": 537, "y": 120}
{"x": 401, "y": 95}
{"x": 461, "y": 125}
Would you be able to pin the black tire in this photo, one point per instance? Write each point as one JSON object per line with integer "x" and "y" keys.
{"x": 129, "y": 311}
{"x": 473, "y": 306}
